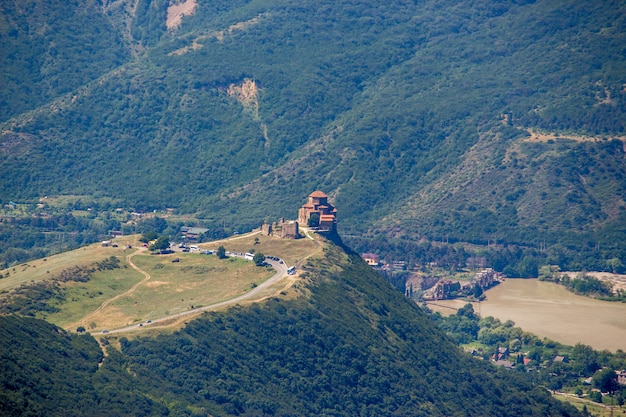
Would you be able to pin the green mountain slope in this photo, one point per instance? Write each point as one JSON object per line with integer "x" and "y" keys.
{"x": 355, "y": 346}
{"x": 51, "y": 48}
{"x": 412, "y": 116}
{"x": 45, "y": 371}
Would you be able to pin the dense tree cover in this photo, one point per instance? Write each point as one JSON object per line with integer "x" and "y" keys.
{"x": 514, "y": 260}
{"x": 396, "y": 101}
{"x": 50, "y": 48}
{"x": 606, "y": 381}
{"x": 416, "y": 110}
{"x": 588, "y": 286}
{"x": 46, "y": 371}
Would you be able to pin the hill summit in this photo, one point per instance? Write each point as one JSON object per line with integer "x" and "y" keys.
{"x": 352, "y": 347}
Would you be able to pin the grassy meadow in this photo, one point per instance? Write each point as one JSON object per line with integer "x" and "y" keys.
{"x": 196, "y": 281}
{"x": 146, "y": 287}
{"x": 42, "y": 269}
{"x": 293, "y": 252}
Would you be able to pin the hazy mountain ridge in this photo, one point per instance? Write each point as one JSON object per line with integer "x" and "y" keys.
{"x": 382, "y": 107}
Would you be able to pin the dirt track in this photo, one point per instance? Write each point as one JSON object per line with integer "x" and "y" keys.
{"x": 102, "y": 306}
{"x": 281, "y": 272}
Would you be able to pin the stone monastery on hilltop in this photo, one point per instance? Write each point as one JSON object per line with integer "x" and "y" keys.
{"x": 318, "y": 213}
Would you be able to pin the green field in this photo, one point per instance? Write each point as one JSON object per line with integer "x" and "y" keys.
{"x": 146, "y": 286}
{"x": 195, "y": 281}
{"x": 82, "y": 298}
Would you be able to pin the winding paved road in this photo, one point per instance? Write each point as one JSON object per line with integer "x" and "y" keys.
{"x": 281, "y": 272}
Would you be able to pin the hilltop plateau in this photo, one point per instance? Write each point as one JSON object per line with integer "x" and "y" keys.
{"x": 121, "y": 285}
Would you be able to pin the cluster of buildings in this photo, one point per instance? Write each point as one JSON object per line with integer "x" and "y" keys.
{"x": 440, "y": 289}
{"x": 484, "y": 279}
{"x": 317, "y": 214}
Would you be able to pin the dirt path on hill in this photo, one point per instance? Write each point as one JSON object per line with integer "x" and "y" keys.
{"x": 102, "y": 306}
{"x": 174, "y": 319}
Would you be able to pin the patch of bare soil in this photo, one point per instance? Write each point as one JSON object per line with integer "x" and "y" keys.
{"x": 156, "y": 284}
{"x": 247, "y": 93}
{"x": 618, "y": 281}
{"x": 219, "y": 35}
{"x": 176, "y": 12}
{"x": 536, "y": 136}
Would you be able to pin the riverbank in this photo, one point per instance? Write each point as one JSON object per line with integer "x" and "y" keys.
{"x": 549, "y": 310}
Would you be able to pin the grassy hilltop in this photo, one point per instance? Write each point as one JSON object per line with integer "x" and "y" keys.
{"x": 98, "y": 288}
{"x": 345, "y": 343}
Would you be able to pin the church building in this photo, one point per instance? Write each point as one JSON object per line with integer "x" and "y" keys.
{"x": 318, "y": 212}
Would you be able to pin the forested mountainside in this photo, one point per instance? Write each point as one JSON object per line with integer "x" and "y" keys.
{"x": 419, "y": 118}
{"x": 354, "y": 347}
{"x": 46, "y": 371}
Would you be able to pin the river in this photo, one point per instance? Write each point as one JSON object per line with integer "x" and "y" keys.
{"x": 549, "y": 310}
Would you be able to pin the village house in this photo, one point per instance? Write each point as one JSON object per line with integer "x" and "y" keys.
{"x": 621, "y": 377}
{"x": 192, "y": 233}
{"x": 371, "y": 259}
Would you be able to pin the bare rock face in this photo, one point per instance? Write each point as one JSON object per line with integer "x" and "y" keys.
{"x": 176, "y": 12}
{"x": 246, "y": 93}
